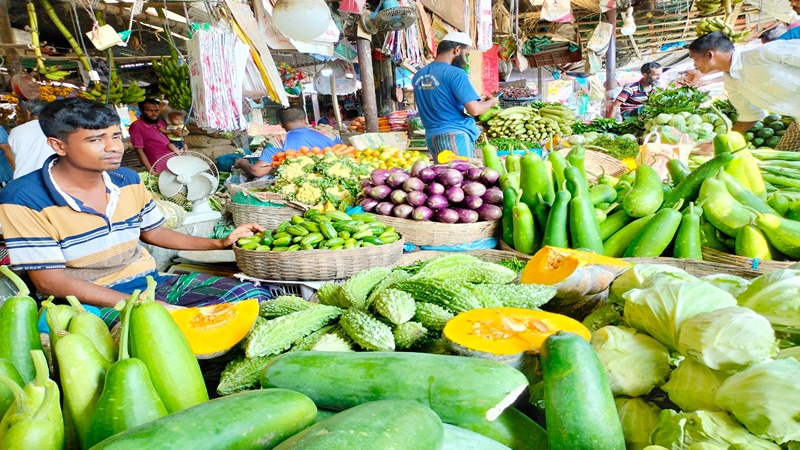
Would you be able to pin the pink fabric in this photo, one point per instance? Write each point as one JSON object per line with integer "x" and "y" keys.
{"x": 795, "y": 25}
{"x": 154, "y": 142}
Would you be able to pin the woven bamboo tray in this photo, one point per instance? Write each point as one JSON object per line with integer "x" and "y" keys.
{"x": 759, "y": 266}
{"x": 316, "y": 265}
{"x": 597, "y": 162}
{"x": 440, "y": 234}
{"x": 270, "y": 217}
{"x": 486, "y": 255}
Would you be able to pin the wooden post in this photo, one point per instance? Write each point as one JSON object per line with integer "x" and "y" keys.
{"x": 7, "y": 37}
{"x": 611, "y": 53}
{"x": 335, "y": 101}
{"x": 368, "y": 99}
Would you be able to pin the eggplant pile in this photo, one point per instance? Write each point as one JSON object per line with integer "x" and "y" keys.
{"x": 458, "y": 192}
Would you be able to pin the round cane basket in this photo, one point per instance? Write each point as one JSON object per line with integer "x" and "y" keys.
{"x": 509, "y": 249}
{"x": 597, "y": 163}
{"x": 316, "y": 265}
{"x": 441, "y": 234}
{"x": 270, "y": 217}
{"x": 755, "y": 265}
{"x": 494, "y": 256}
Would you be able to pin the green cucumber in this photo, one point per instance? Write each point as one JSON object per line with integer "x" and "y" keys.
{"x": 556, "y": 232}
{"x": 513, "y": 429}
{"x": 254, "y": 419}
{"x": 457, "y": 388}
{"x": 688, "y": 189}
{"x": 656, "y": 236}
{"x": 619, "y": 242}
{"x": 688, "y": 243}
{"x": 721, "y": 209}
{"x": 614, "y": 223}
{"x": 395, "y": 424}
{"x": 457, "y": 438}
{"x": 584, "y": 226}
{"x": 581, "y": 413}
{"x": 646, "y": 195}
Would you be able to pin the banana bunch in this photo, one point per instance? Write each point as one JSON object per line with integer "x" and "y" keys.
{"x": 10, "y": 98}
{"x": 708, "y": 7}
{"x": 715, "y": 24}
{"x": 100, "y": 92}
{"x": 58, "y": 91}
{"x": 55, "y": 74}
{"x": 174, "y": 83}
{"x": 527, "y": 124}
{"x": 133, "y": 94}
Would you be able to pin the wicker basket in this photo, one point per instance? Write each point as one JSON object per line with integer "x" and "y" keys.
{"x": 597, "y": 162}
{"x": 270, "y": 217}
{"x": 509, "y": 249}
{"x": 314, "y": 265}
{"x": 441, "y": 234}
{"x": 494, "y": 256}
{"x": 740, "y": 262}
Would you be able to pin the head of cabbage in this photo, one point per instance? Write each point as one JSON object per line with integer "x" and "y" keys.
{"x": 693, "y": 386}
{"x": 634, "y": 362}
{"x": 776, "y": 296}
{"x": 730, "y": 283}
{"x": 639, "y": 418}
{"x": 635, "y": 276}
{"x": 681, "y": 431}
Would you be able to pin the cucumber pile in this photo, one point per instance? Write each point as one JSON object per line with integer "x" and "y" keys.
{"x": 769, "y": 131}
{"x": 529, "y": 124}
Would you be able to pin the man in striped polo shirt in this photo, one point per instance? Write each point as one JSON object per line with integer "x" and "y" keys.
{"x": 634, "y": 96}
{"x": 75, "y": 224}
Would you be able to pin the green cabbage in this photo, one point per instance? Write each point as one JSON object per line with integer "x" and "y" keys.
{"x": 683, "y": 431}
{"x": 727, "y": 338}
{"x": 731, "y": 283}
{"x": 693, "y": 386}
{"x": 776, "y": 296}
{"x": 636, "y": 275}
{"x": 660, "y": 311}
{"x": 790, "y": 352}
{"x": 766, "y": 399}
{"x": 662, "y": 278}
{"x": 639, "y": 418}
{"x": 634, "y": 362}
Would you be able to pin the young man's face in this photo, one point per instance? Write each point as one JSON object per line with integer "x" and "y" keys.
{"x": 92, "y": 150}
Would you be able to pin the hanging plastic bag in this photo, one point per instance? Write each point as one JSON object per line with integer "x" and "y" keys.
{"x": 502, "y": 18}
{"x": 600, "y": 38}
{"x": 520, "y": 60}
{"x": 653, "y": 152}
{"x": 558, "y": 11}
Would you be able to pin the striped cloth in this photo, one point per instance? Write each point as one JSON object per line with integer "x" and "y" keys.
{"x": 457, "y": 142}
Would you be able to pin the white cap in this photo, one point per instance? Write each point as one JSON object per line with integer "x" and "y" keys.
{"x": 459, "y": 37}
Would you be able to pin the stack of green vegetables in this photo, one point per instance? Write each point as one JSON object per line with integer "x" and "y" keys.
{"x": 620, "y": 147}
{"x": 781, "y": 170}
{"x": 694, "y": 362}
{"x": 528, "y": 123}
{"x": 379, "y": 309}
{"x": 768, "y": 131}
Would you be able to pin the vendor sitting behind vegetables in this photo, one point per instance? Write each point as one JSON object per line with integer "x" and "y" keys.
{"x": 630, "y": 101}
{"x": 442, "y": 92}
{"x": 298, "y": 135}
{"x": 75, "y": 224}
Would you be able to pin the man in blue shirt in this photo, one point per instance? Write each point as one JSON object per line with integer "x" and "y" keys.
{"x": 442, "y": 92}
{"x": 298, "y": 135}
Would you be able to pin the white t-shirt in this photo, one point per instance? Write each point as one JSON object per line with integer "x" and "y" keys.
{"x": 30, "y": 148}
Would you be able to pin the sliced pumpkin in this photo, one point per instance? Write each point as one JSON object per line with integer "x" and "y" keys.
{"x": 552, "y": 265}
{"x": 215, "y": 329}
{"x": 498, "y": 332}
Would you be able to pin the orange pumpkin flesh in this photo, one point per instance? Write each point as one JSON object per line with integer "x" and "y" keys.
{"x": 214, "y": 329}
{"x": 552, "y": 265}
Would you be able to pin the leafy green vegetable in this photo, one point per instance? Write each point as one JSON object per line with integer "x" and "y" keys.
{"x": 730, "y": 283}
{"x": 636, "y": 275}
{"x": 634, "y": 362}
{"x": 618, "y": 147}
{"x": 727, "y": 338}
{"x": 776, "y": 296}
{"x": 765, "y": 398}
{"x": 675, "y": 100}
{"x": 683, "y": 431}
{"x": 661, "y": 311}
{"x": 513, "y": 263}
{"x": 693, "y": 386}
{"x": 639, "y": 418}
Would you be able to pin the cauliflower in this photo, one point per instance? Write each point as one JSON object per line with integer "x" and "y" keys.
{"x": 292, "y": 171}
{"x": 337, "y": 170}
{"x": 308, "y": 194}
{"x": 289, "y": 189}
{"x": 338, "y": 192}
{"x": 305, "y": 161}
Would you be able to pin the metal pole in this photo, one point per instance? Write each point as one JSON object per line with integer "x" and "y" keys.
{"x": 368, "y": 99}
{"x": 611, "y": 53}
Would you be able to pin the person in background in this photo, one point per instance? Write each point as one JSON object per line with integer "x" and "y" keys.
{"x": 176, "y": 130}
{"x": 794, "y": 28}
{"x": 150, "y": 143}
{"x": 28, "y": 141}
{"x": 298, "y": 135}
{"x": 349, "y": 116}
{"x": 772, "y": 34}
{"x": 633, "y": 96}
{"x": 765, "y": 78}
{"x": 75, "y": 224}
{"x": 442, "y": 92}
{"x": 329, "y": 118}
{"x": 6, "y": 159}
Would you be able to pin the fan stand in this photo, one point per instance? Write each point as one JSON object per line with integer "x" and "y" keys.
{"x": 201, "y": 212}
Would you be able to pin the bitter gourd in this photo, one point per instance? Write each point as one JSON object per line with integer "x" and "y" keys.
{"x": 357, "y": 288}
{"x": 530, "y": 296}
{"x": 466, "y": 268}
{"x": 397, "y": 306}
{"x": 278, "y": 334}
{"x": 332, "y": 343}
{"x": 367, "y": 331}
{"x": 432, "y": 316}
{"x": 395, "y": 277}
{"x": 242, "y": 374}
{"x": 331, "y": 294}
{"x": 449, "y": 294}
{"x": 283, "y": 305}
{"x": 407, "y": 334}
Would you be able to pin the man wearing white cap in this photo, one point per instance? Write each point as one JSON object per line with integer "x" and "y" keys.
{"x": 442, "y": 93}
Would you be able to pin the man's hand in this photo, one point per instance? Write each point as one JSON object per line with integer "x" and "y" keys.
{"x": 243, "y": 231}
{"x": 239, "y": 162}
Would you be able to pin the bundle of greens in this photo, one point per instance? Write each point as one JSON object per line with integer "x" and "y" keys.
{"x": 619, "y": 147}
{"x": 674, "y": 101}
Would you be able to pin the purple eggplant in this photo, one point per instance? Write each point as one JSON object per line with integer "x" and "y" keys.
{"x": 489, "y": 177}
{"x": 418, "y": 167}
{"x": 447, "y": 216}
{"x": 434, "y": 189}
{"x": 427, "y": 175}
{"x": 379, "y": 176}
{"x": 398, "y": 196}
{"x": 396, "y": 169}
{"x": 369, "y": 204}
{"x": 367, "y": 190}
{"x": 402, "y": 211}
{"x": 438, "y": 169}
{"x": 493, "y": 196}
{"x": 416, "y": 198}
{"x": 450, "y": 177}
{"x": 474, "y": 174}
{"x": 436, "y": 202}
{"x": 380, "y": 192}
{"x": 422, "y": 213}
{"x": 397, "y": 179}
{"x": 384, "y": 208}
{"x": 490, "y": 212}
{"x": 473, "y": 188}
{"x": 414, "y": 184}
{"x": 454, "y": 194}
{"x": 473, "y": 202}
{"x": 466, "y": 215}
{"x": 366, "y": 182}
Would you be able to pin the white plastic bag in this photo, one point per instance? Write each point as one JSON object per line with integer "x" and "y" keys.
{"x": 557, "y": 11}
{"x": 656, "y": 154}
{"x": 600, "y": 38}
